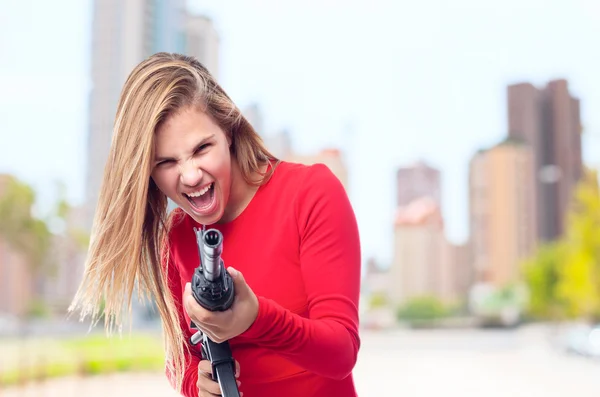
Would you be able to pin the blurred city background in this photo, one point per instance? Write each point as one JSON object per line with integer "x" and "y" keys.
{"x": 467, "y": 135}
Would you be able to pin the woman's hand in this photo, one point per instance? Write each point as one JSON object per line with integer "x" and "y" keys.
{"x": 222, "y": 326}
{"x": 207, "y": 387}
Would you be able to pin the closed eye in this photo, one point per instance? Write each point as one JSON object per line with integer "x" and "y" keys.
{"x": 162, "y": 162}
{"x": 165, "y": 162}
{"x": 201, "y": 148}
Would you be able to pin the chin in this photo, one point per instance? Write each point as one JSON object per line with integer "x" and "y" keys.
{"x": 208, "y": 219}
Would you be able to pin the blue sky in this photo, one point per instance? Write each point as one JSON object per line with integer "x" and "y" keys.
{"x": 389, "y": 82}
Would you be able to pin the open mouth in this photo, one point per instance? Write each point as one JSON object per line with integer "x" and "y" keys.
{"x": 203, "y": 199}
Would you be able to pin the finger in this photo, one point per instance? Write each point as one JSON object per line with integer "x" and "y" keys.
{"x": 237, "y": 369}
{"x": 210, "y": 330}
{"x": 205, "y": 382}
{"x": 239, "y": 282}
{"x": 208, "y": 387}
{"x": 205, "y": 367}
{"x": 197, "y": 313}
{"x": 207, "y": 394}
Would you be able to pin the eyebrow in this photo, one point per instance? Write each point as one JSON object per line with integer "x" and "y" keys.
{"x": 159, "y": 159}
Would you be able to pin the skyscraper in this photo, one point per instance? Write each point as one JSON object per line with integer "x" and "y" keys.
{"x": 279, "y": 144}
{"x": 456, "y": 272}
{"x": 167, "y": 21}
{"x": 254, "y": 115}
{"x": 418, "y": 251}
{"x": 123, "y": 34}
{"x": 502, "y": 211}
{"x": 202, "y": 42}
{"x": 417, "y": 181}
{"x": 548, "y": 120}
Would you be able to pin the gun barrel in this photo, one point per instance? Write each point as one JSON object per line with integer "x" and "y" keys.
{"x": 212, "y": 247}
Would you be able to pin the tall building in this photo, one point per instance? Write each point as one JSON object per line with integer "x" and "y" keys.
{"x": 279, "y": 144}
{"x": 68, "y": 251}
{"x": 123, "y": 34}
{"x": 375, "y": 280}
{"x": 502, "y": 211}
{"x": 455, "y": 273}
{"x": 416, "y": 181}
{"x": 16, "y": 281}
{"x": 425, "y": 263}
{"x": 254, "y": 115}
{"x": 167, "y": 19}
{"x": 202, "y": 42}
{"x": 548, "y": 119}
{"x": 418, "y": 251}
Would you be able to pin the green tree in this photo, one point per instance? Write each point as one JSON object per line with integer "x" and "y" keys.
{"x": 18, "y": 227}
{"x": 563, "y": 277}
{"x": 377, "y": 300}
{"x": 541, "y": 275}
{"x": 24, "y": 233}
{"x": 59, "y": 218}
{"x": 422, "y": 309}
{"x": 579, "y": 279}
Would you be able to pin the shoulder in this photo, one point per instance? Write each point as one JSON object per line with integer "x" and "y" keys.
{"x": 323, "y": 212}
{"x": 305, "y": 177}
{"x": 320, "y": 183}
{"x": 317, "y": 191}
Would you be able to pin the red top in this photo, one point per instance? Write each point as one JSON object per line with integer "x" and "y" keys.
{"x": 297, "y": 245}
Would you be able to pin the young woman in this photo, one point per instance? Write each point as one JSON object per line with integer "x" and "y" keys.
{"x": 291, "y": 241}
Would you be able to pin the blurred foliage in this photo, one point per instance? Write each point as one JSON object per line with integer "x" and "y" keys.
{"x": 541, "y": 274}
{"x": 378, "y": 300}
{"x": 564, "y": 276}
{"x": 42, "y": 241}
{"x": 422, "y": 309}
{"x": 18, "y": 227}
{"x": 45, "y": 358}
{"x": 60, "y": 216}
{"x": 579, "y": 274}
{"x": 80, "y": 237}
{"x": 38, "y": 309}
{"x": 510, "y": 295}
{"x": 500, "y": 306}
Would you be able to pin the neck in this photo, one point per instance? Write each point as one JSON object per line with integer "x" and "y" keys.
{"x": 240, "y": 194}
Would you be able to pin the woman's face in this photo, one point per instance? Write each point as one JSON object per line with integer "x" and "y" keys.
{"x": 192, "y": 164}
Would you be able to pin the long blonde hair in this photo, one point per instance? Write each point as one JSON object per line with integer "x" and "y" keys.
{"x": 130, "y": 229}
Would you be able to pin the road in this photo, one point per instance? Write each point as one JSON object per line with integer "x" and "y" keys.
{"x": 427, "y": 363}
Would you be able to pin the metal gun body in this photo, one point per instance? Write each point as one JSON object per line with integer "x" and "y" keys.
{"x": 211, "y": 249}
{"x": 212, "y": 287}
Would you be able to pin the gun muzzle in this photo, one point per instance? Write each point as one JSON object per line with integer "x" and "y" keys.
{"x": 212, "y": 247}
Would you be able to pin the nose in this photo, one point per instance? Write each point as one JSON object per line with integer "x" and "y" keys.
{"x": 190, "y": 174}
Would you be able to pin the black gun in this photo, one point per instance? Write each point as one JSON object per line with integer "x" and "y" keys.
{"x": 212, "y": 287}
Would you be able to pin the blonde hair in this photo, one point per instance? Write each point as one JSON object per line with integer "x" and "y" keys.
{"x": 130, "y": 230}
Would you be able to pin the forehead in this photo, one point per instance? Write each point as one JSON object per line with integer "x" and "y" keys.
{"x": 184, "y": 128}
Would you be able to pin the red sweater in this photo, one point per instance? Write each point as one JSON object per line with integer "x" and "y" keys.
{"x": 297, "y": 245}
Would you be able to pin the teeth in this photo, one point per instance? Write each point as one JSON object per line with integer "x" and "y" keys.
{"x": 200, "y": 192}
